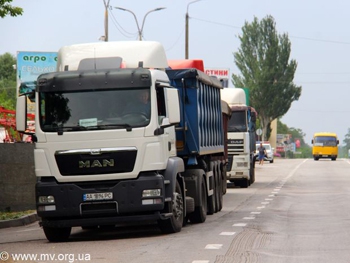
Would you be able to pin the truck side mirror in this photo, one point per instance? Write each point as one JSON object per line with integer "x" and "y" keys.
{"x": 253, "y": 116}
{"x": 172, "y": 106}
{"x": 21, "y": 113}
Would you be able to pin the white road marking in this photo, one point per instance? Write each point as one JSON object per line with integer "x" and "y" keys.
{"x": 255, "y": 213}
{"x": 200, "y": 261}
{"x": 239, "y": 224}
{"x": 249, "y": 217}
{"x": 265, "y": 203}
{"x": 260, "y": 207}
{"x": 227, "y": 233}
{"x": 213, "y": 246}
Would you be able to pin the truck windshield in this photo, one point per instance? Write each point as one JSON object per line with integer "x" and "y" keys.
{"x": 89, "y": 110}
{"x": 238, "y": 122}
{"x": 325, "y": 141}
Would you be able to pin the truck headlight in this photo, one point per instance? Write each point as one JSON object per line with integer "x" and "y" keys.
{"x": 151, "y": 192}
{"x": 49, "y": 199}
{"x": 152, "y": 196}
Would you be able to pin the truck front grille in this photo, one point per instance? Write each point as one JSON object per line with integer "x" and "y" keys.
{"x": 86, "y": 163}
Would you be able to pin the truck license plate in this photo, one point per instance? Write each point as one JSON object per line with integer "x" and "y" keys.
{"x": 98, "y": 196}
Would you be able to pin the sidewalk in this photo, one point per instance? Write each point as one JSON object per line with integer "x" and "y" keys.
{"x": 24, "y": 220}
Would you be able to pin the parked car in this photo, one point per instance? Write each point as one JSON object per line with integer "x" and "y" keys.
{"x": 269, "y": 151}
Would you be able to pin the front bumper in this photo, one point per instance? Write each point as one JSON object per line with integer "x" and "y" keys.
{"x": 127, "y": 204}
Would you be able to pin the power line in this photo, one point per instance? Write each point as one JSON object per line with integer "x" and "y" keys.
{"x": 298, "y": 37}
{"x": 120, "y": 28}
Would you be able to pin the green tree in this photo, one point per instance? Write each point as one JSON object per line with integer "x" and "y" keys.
{"x": 7, "y": 81}
{"x": 7, "y": 9}
{"x": 346, "y": 141}
{"x": 266, "y": 70}
{"x": 282, "y": 128}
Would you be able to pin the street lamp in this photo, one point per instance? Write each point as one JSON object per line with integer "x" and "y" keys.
{"x": 140, "y": 30}
{"x": 186, "y": 38}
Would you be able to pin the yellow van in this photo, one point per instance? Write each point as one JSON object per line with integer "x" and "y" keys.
{"x": 325, "y": 145}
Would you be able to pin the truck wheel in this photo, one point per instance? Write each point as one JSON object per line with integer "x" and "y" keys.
{"x": 176, "y": 207}
{"x": 200, "y": 213}
{"x": 212, "y": 198}
{"x": 252, "y": 175}
{"x": 54, "y": 234}
{"x": 219, "y": 190}
{"x": 224, "y": 179}
{"x": 244, "y": 183}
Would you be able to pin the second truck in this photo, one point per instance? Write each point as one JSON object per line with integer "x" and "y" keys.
{"x": 98, "y": 164}
{"x": 241, "y": 138}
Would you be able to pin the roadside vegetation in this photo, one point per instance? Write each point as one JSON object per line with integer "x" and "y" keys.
{"x": 14, "y": 215}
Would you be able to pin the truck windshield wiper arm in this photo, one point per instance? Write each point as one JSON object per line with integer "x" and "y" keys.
{"x": 102, "y": 126}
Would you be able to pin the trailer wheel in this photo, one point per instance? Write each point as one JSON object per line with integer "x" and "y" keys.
{"x": 224, "y": 179}
{"x": 176, "y": 207}
{"x": 54, "y": 234}
{"x": 218, "y": 189}
{"x": 200, "y": 213}
{"x": 212, "y": 198}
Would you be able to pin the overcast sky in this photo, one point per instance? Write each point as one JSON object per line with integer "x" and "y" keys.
{"x": 318, "y": 30}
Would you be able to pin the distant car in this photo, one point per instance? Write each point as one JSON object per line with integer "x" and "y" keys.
{"x": 269, "y": 151}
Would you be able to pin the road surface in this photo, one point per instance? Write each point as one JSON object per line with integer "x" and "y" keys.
{"x": 296, "y": 211}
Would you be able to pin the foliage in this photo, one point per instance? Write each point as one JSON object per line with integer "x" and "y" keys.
{"x": 14, "y": 215}
{"x": 7, "y": 9}
{"x": 346, "y": 141}
{"x": 266, "y": 70}
{"x": 7, "y": 81}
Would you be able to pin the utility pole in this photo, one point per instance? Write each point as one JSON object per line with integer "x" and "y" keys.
{"x": 106, "y": 19}
{"x": 186, "y": 30}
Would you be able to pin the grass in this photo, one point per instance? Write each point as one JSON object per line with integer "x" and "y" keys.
{"x": 14, "y": 215}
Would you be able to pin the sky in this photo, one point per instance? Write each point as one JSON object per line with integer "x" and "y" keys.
{"x": 318, "y": 31}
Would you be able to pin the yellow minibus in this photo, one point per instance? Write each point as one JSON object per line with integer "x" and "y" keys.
{"x": 325, "y": 145}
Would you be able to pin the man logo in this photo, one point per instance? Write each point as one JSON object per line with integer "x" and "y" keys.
{"x": 96, "y": 163}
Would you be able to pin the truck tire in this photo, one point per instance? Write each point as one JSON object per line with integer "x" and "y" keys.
{"x": 244, "y": 183}
{"x": 218, "y": 188}
{"x": 212, "y": 198}
{"x": 54, "y": 234}
{"x": 176, "y": 207}
{"x": 252, "y": 175}
{"x": 224, "y": 179}
{"x": 200, "y": 213}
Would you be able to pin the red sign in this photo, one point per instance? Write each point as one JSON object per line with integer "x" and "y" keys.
{"x": 217, "y": 72}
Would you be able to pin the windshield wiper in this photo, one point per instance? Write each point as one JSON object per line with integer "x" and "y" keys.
{"x": 116, "y": 125}
{"x": 61, "y": 129}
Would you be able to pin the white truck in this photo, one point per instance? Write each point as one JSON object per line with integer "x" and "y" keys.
{"x": 241, "y": 138}
{"x": 98, "y": 165}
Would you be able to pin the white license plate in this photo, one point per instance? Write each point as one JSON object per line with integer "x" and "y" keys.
{"x": 98, "y": 196}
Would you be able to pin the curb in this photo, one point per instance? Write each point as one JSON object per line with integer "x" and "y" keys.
{"x": 22, "y": 221}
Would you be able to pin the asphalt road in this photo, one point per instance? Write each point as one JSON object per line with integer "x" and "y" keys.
{"x": 296, "y": 211}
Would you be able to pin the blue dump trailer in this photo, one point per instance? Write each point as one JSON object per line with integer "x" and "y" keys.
{"x": 200, "y": 139}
